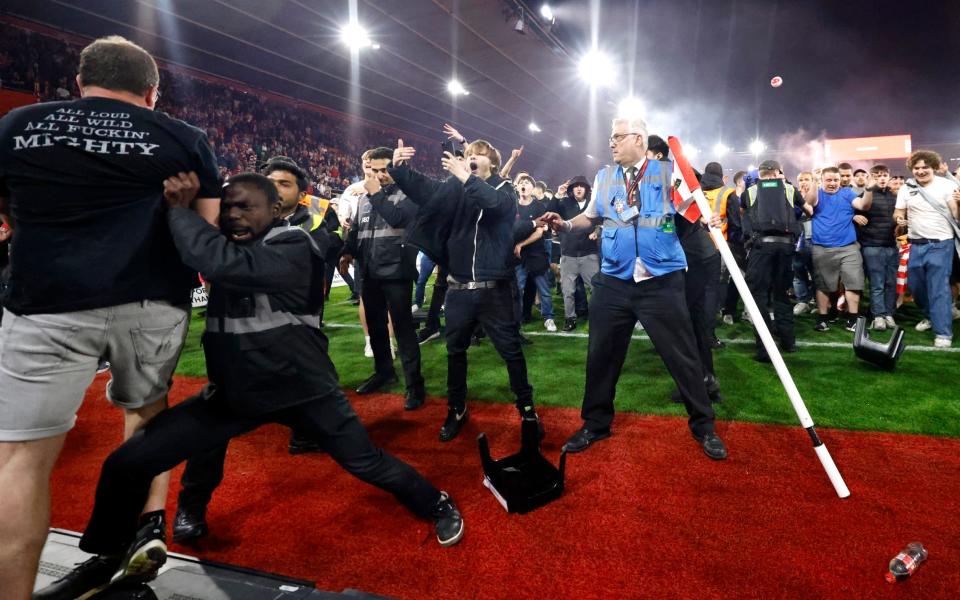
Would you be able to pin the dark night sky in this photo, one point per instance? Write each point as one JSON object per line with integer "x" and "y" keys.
{"x": 850, "y": 68}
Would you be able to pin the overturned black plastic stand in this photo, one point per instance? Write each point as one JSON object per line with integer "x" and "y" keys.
{"x": 882, "y": 354}
{"x": 526, "y": 480}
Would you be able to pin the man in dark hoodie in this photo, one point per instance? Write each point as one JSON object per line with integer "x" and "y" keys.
{"x": 469, "y": 224}
{"x": 267, "y": 362}
{"x": 579, "y": 252}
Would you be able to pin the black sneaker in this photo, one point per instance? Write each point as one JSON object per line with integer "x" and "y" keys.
{"x": 189, "y": 525}
{"x": 569, "y": 324}
{"x": 427, "y": 334}
{"x": 297, "y": 445}
{"x": 851, "y": 324}
{"x": 447, "y": 519}
{"x": 87, "y": 577}
{"x": 103, "y": 366}
{"x": 454, "y": 423}
{"x": 146, "y": 555}
{"x": 821, "y": 326}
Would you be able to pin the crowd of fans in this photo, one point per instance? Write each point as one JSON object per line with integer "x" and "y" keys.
{"x": 243, "y": 128}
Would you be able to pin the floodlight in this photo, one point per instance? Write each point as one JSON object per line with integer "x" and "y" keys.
{"x": 631, "y": 107}
{"x": 547, "y": 13}
{"x": 355, "y": 36}
{"x": 456, "y": 88}
{"x": 565, "y": 144}
{"x": 596, "y": 68}
{"x": 533, "y": 127}
{"x": 757, "y": 147}
{"x": 719, "y": 149}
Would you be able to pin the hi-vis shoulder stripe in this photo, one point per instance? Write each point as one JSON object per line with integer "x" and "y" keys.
{"x": 285, "y": 229}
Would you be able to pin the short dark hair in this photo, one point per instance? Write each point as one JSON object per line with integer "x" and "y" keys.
{"x": 738, "y": 177}
{"x": 541, "y": 184}
{"x": 877, "y": 169}
{"x": 656, "y": 144}
{"x": 285, "y": 163}
{"x": 844, "y": 165}
{"x": 528, "y": 177}
{"x": 858, "y": 171}
{"x": 901, "y": 177}
{"x": 830, "y": 170}
{"x": 255, "y": 180}
{"x": 380, "y": 153}
{"x": 928, "y": 156}
{"x": 118, "y": 64}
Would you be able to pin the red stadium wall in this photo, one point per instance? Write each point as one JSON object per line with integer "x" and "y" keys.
{"x": 10, "y": 100}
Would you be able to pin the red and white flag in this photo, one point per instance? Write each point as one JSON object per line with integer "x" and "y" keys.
{"x": 685, "y": 184}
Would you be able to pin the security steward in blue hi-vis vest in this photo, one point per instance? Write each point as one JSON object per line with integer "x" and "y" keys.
{"x": 204, "y": 472}
{"x": 641, "y": 279}
{"x": 770, "y": 224}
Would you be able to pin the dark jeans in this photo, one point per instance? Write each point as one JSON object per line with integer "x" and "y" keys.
{"x": 701, "y": 277}
{"x": 202, "y": 424}
{"x": 770, "y": 274}
{"x": 437, "y": 298}
{"x": 494, "y": 309}
{"x": 394, "y": 295}
{"x": 732, "y": 294}
{"x": 426, "y": 269}
{"x": 803, "y": 286}
{"x": 881, "y": 264}
{"x": 659, "y": 304}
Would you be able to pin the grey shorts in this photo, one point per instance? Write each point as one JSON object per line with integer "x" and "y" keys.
{"x": 47, "y": 361}
{"x": 842, "y": 264}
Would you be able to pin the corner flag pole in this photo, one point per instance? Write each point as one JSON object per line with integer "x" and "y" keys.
{"x": 689, "y": 178}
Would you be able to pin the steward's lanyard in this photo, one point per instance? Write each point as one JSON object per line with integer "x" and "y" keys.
{"x": 632, "y": 190}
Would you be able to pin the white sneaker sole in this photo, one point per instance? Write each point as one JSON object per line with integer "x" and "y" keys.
{"x": 454, "y": 539}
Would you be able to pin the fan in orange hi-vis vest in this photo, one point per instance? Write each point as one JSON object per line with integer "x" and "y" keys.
{"x": 317, "y": 205}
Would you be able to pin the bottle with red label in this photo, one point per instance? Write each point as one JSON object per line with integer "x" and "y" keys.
{"x": 904, "y": 564}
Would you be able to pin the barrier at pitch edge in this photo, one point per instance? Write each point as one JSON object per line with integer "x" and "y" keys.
{"x": 779, "y": 365}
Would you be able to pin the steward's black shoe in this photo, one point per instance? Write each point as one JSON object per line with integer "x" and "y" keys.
{"x": 447, "y": 520}
{"x": 375, "y": 382}
{"x": 297, "y": 445}
{"x": 569, "y": 324}
{"x": 189, "y": 526}
{"x": 712, "y": 445}
{"x": 87, "y": 577}
{"x": 415, "y": 399}
{"x": 454, "y": 423}
{"x": 426, "y": 334}
{"x": 585, "y": 438}
{"x": 716, "y": 344}
{"x": 146, "y": 555}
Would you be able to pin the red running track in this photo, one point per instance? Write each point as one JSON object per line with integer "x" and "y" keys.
{"x": 645, "y": 513}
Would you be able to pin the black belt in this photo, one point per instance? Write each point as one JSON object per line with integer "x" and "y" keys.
{"x": 922, "y": 241}
{"x": 776, "y": 239}
{"x": 472, "y": 285}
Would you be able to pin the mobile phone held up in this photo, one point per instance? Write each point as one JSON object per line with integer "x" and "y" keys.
{"x": 453, "y": 147}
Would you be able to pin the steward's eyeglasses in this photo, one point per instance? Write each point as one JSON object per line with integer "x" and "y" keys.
{"x": 618, "y": 137}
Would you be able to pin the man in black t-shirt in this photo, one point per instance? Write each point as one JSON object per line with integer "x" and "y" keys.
{"x": 93, "y": 273}
{"x": 532, "y": 252}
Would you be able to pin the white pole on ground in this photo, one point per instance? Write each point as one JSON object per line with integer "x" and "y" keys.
{"x": 761, "y": 326}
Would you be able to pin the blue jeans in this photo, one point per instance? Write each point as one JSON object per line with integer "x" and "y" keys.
{"x": 881, "y": 264}
{"x": 928, "y": 276}
{"x": 803, "y": 287}
{"x": 546, "y": 301}
{"x": 426, "y": 270}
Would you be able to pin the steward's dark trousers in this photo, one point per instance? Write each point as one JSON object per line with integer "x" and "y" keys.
{"x": 732, "y": 293}
{"x": 394, "y": 296}
{"x": 770, "y": 272}
{"x": 495, "y": 310}
{"x": 700, "y": 276}
{"x": 437, "y": 298}
{"x": 202, "y": 424}
{"x": 659, "y": 304}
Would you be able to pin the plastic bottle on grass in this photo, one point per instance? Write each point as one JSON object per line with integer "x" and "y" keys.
{"x": 904, "y": 564}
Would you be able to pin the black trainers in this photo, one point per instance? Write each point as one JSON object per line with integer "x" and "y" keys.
{"x": 454, "y": 423}
{"x": 87, "y": 577}
{"x": 189, "y": 525}
{"x": 427, "y": 334}
{"x": 146, "y": 555}
{"x": 447, "y": 519}
{"x": 851, "y": 324}
{"x": 821, "y": 326}
{"x": 299, "y": 444}
{"x": 569, "y": 324}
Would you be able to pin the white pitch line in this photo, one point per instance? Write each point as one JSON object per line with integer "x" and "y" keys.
{"x": 744, "y": 341}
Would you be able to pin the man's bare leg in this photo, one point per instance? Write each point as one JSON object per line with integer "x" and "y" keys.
{"x": 25, "y": 469}
{"x": 823, "y": 302}
{"x": 853, "y": 301}
{"x": 133, "y": 420}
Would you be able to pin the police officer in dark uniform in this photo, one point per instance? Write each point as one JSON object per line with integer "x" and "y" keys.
{"x": 770, "y": 222}
{"x": 388, "y": 266}
{"x": 469, "y": 223}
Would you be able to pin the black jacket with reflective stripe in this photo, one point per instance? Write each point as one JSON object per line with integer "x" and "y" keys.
{"x": 378, "y": 238}
{"x": 263, "y": 345}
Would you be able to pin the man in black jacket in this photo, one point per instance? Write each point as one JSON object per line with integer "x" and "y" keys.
{"x": 579, "y": 253}
{"x": 879, "y": 248}
{"x": 467, "y": 222}
{"x": 268, "y": 363}
{"x": 388, "y": 268}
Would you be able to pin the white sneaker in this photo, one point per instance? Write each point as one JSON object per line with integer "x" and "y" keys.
{"x": 890, "y": 322}
{"x": 879, "y": 324}
{"x": 924, "y": 325}
{"x": 728, "y": 319}
{"x": 956, "y": 312}
{"x": 638, "y": 326}
{"x": 746, "y": 317}
{"x": 368, "y": 350}
{"x": 801, "y": 308}
{"x": 942, "y": 342}
{"x": 414, "y": 308}
{"x": 550, "y": 325}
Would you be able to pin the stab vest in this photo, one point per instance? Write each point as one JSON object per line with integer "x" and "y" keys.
{"x": 772, "y": 215}
{"x": 652, "y": 236}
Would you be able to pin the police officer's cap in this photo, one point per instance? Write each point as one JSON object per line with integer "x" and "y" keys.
{"x": 770, "y": 165}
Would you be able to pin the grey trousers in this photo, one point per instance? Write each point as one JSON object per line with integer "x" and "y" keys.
{"x": 572, "y": 267}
